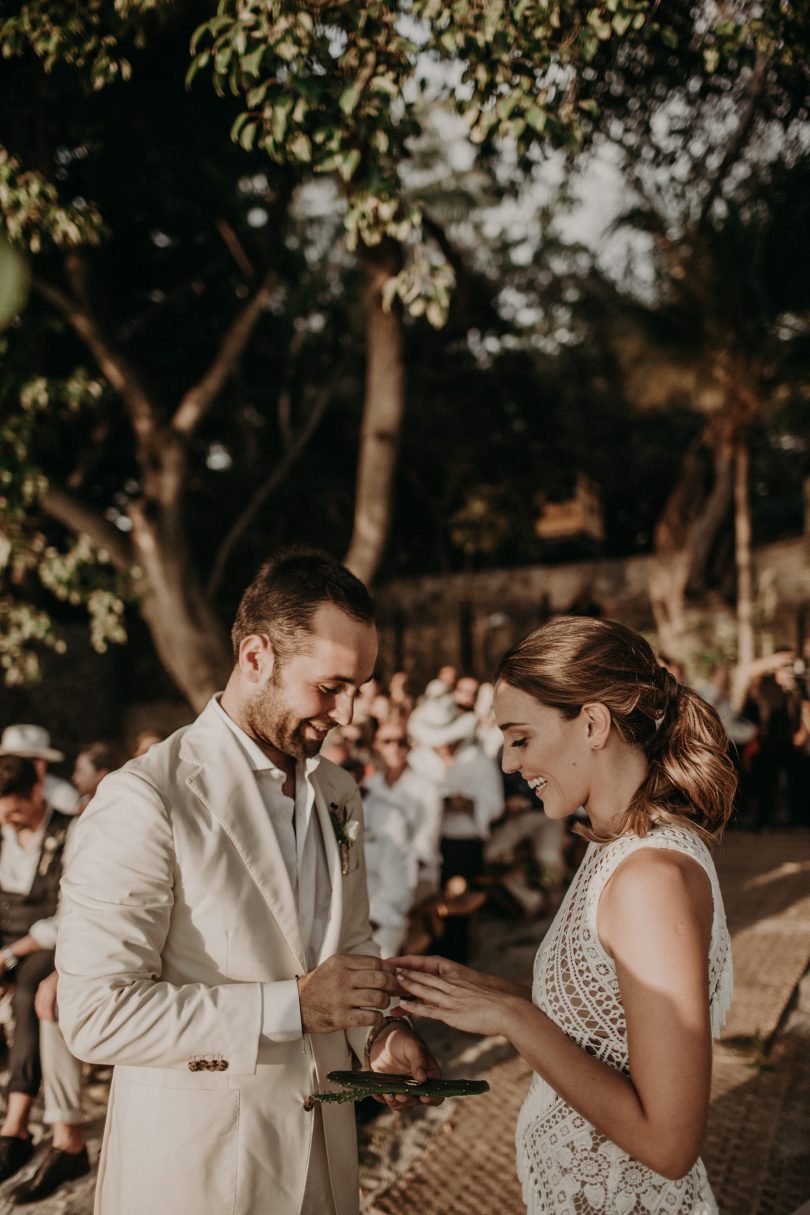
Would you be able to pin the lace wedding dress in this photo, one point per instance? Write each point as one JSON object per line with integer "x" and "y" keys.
{"x": 565, "y": 1165}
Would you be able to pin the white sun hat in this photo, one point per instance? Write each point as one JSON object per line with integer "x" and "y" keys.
{"x": 29, "y": 742}
{"x": 439, "y": 722}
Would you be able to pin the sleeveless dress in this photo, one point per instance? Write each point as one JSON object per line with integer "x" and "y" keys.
{"x": 565, "y": 1165}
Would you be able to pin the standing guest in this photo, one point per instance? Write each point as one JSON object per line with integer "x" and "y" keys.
{"x": 32, "y": 844}
{"x": 469, "y": 787}
{"x": 93, "y": 762}
{"x": 633, "y": 978}
{"x": 466, "y": 780}
{"x": 401, "y": 792}
{"x": 34, "y": 743}
{"x": 214, "y": 941}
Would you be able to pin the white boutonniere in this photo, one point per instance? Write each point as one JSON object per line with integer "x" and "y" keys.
{"x": 347, "y": 831}
{"x": 49, "y": 847}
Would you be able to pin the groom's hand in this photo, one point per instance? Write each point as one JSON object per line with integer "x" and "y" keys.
{"x": 345, "y": 990}
{"x": 399, "y": 1049}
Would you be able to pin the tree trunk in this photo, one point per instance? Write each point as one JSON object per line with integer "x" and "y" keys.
{"x": 745, "y": 571}
{"x": 382, "y": 417}
{"x": 187, "y": 635}
{"x": 686, "y": 531}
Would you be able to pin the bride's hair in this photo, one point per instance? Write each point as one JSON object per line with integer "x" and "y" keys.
{"x": 574, "y": 660}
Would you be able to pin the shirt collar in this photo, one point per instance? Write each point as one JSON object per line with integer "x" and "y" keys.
{"x": 257, "y": 759}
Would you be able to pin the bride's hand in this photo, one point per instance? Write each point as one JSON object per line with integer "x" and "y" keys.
{"x": 443, "y": 968}
{"x": 476, "y": 1008}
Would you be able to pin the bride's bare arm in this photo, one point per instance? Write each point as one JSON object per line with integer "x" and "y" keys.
{"x": 655, "y": 921}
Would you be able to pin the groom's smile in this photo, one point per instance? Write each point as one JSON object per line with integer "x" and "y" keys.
{"x": 302, "y": 695}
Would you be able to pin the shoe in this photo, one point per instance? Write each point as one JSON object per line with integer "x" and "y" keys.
{"x": 14, "y": 1153}
{"x": 56, "y": 1168}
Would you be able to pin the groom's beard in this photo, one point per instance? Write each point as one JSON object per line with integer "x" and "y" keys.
{"x": 272, "y": 722}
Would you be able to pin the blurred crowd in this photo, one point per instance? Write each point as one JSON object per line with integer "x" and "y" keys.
{"x": 446, "y": 832}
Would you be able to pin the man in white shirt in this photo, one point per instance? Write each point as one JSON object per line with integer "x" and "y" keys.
{"x": 469, "y": 786}
{"x": 214, "y": 941}
{"x": 403, "y": 802}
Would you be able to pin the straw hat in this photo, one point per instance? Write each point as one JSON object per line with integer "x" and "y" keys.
{"x": 28, "y": 742}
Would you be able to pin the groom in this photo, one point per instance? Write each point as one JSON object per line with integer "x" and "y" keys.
{"x": 214, "y": 940}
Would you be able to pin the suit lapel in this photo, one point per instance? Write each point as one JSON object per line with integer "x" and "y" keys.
{"x": 225, "y": 783}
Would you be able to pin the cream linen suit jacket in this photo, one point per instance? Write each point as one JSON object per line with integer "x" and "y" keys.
{"x": 177, "y": 905}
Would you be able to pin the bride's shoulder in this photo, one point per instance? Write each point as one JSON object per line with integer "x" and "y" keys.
{"x": 655, "y": 882}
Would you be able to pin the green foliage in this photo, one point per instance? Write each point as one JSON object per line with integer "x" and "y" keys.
{"x": 34, "y": 216}
{"x": 89, "y": 37}
{"x": 74, "y": 571}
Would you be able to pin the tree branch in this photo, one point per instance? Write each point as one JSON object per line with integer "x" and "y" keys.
{"x": 294, "y": 450}
{"x": 236, "y": 249}
{"x": 116, "y": 369}
{"x": 78, "y": 517}
{"x": 199, "y": 399}
{"x": 740, "y": 137}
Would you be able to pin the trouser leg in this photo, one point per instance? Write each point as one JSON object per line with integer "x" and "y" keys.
{"x": 25, "y": 1069}
{"x": 61, "y": 1076}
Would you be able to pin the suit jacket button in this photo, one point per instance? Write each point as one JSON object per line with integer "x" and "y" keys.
{"x": 194, "y": 1065}
{"x": 309, "y": 1104}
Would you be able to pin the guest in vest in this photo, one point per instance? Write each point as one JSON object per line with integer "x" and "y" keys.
{"x": 66, "y": 1158}
{"x": 32, "y": 842}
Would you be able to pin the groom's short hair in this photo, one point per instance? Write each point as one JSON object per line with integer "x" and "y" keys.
{"x": 282, "y": 599}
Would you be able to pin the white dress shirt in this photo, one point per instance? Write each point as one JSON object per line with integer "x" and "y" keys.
{"x": 418, "y": 799}
{"x": 298, "y": 832}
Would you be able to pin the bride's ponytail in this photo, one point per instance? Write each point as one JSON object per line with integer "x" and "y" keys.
{"x": 690, "y": 774}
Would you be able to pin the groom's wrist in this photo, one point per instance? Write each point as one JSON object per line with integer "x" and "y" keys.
{"x": 375, "y": 1034}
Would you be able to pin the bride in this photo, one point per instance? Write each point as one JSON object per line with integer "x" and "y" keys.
{"x": 633, "y": 979}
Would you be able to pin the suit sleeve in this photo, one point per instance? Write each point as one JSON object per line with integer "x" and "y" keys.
{"x": 116, "y": 906}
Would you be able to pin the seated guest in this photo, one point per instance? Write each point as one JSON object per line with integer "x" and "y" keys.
{"x": 34, "y": 743}
{"x": 62, "y": 1072}
{"x": 32, "y": 844}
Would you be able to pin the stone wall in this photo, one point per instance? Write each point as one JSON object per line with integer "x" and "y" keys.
{"x": 470, "y": 619}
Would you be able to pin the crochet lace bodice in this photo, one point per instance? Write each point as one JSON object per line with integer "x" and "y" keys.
{"x": 565, "y": 1165}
